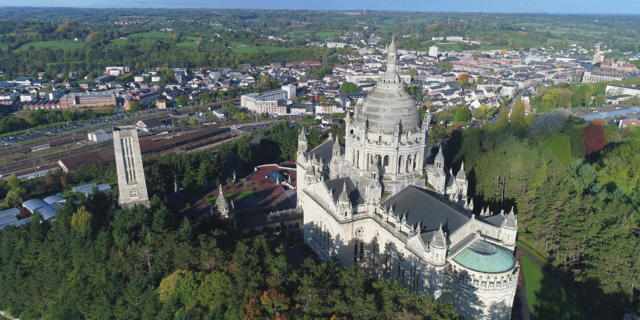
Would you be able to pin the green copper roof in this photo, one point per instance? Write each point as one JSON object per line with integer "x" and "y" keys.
{"x": 485, "y": 257}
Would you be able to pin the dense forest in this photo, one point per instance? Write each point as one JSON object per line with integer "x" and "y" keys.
{"x": 99, "y": 261}
{"x": 575, "y": 188}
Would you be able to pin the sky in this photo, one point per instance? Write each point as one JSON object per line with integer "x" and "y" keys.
{"x": 517, "y": 6}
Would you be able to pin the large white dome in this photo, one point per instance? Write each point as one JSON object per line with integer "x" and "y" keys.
{"x": 388, "y": 104}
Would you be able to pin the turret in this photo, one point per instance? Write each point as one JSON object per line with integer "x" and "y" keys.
{"x": 222, "y": 205}
{"x": 438, "y": 247}
{"x": 469, "y": 205}
{"x": 439, "y": 159}
{"x": 335, "y": 163}
{"x": 302, "y": 142}
{"x": 335, "y": 149}
{"x": 462, "y": 184}
{"x": 343, "y": 205}
{"x": 509, "y": 229}
{"x": 461, "y": 176}
{"x": 392, "y": 55}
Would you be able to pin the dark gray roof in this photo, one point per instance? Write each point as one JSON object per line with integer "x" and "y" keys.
{"x": 335, "y": 187}
{"x": 324, "y": 151}
{"x": 495, "y": 219}
{"x": 427, "y": 207}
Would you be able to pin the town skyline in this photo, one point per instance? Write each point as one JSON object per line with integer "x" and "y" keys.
{"x": 574, "y": 7}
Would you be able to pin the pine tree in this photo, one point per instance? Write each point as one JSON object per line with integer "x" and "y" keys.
{"x": 503, "y": 118}
{"x": 517, "y": 117}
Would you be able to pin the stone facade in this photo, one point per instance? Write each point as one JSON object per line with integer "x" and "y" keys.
{"x": 131, "y": 183}
{"x": 366, "y": 204}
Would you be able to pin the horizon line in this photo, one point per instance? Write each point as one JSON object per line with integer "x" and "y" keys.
{"x": 328, "y": 10}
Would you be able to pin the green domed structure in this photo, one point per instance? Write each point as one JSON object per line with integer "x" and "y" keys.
{"x": 485, "y": 257}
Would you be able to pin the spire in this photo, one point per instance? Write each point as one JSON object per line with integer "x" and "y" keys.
{"x": 302, "y": 141}
{"x": 303, "y": 135}
{"x": 221, "y": 203}
{"x": 392, "y": 57}
{"x": 392, "y": 45}
{"x": 510, "y": 221}
{"x": 461, "y": 175}
{"x": 344, "y": 197}
{"x": 336, "y": 148}
{"x": 439, "y": 160}
{"x": 439, "y": 240}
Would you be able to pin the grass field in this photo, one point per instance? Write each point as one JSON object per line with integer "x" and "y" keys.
{"x": 66, "y": 45}
{"x": 152, "y": 35}
{"x": 324, "y": 34}
{"x": 187, "y": 44}
{"x": 532, "y": 250}
{"x": 545, "y": 299}
{"x": 243, "y": 48}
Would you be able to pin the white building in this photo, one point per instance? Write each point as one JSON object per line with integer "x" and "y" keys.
{"x": 271, "y": 102}
{"x": 99, "y": 136}
{"x": 290, "y": 91}
{"x": 131, "y": 184}
{"x": 613, "y": 90}
{"x": 114, "y": 71}
{"x": 433, "y": 51}
{"x": 367, "y": 204}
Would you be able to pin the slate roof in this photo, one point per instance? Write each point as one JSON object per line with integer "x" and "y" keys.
{"x": 324, "y": 151}
{"x": 335, "y": 187}
{"x": 495, "y": 219}
{"x": 427, "y": 207}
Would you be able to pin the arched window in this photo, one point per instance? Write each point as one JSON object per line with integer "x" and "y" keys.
{"x": 400, "y": 159}
{"x": 386, "y": 160}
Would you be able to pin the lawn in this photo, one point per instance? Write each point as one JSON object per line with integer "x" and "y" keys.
{"x": 187, "y": 44}
{"x": 243, "y": 48}
{"x": 66, "y": 45}
{"x": 152, "y": 35}
{"x": 545, "y": 299}
{"x": 325, "y": 34}
{"x": 532, "y": 250}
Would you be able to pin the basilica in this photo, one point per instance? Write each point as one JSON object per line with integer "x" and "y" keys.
{"x": 376, "y": 202}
